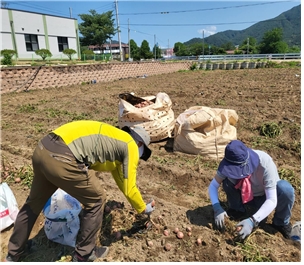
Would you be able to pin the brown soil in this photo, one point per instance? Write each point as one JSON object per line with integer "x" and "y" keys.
{"x": 178, "y": 182}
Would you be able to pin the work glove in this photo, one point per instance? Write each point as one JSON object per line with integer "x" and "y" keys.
{"x": 150, "y": 207}
{"x": 219, "y": 216}
{"x": 247, "y": 226}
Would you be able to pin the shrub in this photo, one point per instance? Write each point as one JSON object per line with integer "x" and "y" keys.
{"x": 7, "y": 56}
{"x": 193, "y": 66}
{"x": 44, "y": 53}
{"x": 69, "y": 53}
{"x": 88, "y": 52}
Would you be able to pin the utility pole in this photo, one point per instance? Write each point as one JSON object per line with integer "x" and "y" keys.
{"x": 203, "y": 46}
{"x": 111, "y": 49}
{"x": 168, "y": 50}
{"x": 70, "y": 12}
{"x": 118, "y": 29}
{"x": 247, "y": 46}
{"x": 154, "y": 46}
{"x": 129, "y": 41}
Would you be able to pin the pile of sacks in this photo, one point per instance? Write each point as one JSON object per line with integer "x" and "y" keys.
{"x": 198, "y": 130}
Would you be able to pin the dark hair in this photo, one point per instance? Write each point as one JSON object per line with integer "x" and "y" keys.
{"x": 126, "y": 129}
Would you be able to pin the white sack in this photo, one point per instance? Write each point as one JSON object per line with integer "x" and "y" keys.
{"x": 205, "y": 131}
{"x": 8, "y": 206}
{"x": 157, "y": 118}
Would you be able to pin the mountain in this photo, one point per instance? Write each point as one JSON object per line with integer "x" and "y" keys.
{"x": 290, "y": 21}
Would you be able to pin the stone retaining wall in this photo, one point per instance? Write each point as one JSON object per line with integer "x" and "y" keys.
{"x": 40, "y": 77}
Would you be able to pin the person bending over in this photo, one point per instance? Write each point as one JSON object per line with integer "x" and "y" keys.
{"x": 67, "y": 158}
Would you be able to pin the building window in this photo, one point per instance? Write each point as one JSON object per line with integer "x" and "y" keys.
{"x": 31, "y": 42}
{"x": 62, "y": 43}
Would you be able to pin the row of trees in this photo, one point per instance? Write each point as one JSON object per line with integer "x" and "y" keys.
{"x": 97, "y": 29}
{"x": 272, "y": 42}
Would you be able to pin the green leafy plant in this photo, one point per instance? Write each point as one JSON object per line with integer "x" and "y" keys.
{"x": 7, "y": 56}
{"x": 69, "y": 53}
{"x": 28, "y": 108}
{"x": 271, "y": 64}
{"x": 290, "y": 176}
{"x": 252, "y": 252}
{"x": 43, "y": 53}
{"x": 270, "y": 129}
{"x": 193, "y": 66}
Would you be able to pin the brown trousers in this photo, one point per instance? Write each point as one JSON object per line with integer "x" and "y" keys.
{"x": 55, "y": 167}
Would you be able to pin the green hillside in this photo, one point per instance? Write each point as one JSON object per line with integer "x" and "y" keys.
{"x": 290, "y": 21}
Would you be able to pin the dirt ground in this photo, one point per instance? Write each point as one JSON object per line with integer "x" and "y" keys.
{"x": 178, "y": 182}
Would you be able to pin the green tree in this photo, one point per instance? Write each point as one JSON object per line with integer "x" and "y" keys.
{"x": 272, "y": 42}
{"x": 134, "y": 50}
{"x": 96, "y": 28}
{"x": 69, "y": 53}
{"x": 251, "y": 48}
{"x": 156, "y": 51}
{"x": 44, "y": 53}
{"x": 7, "y": 56}
{"x": 145, "y": 52}
{"x": 228, "y": 46}
{"x": 197, "y": 49}
{"x": 221, "y": 51}
{"x": 294, "y": 48}
{"x": 180, "y": 49}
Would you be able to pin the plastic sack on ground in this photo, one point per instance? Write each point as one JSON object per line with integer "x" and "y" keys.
{"x": 205, "y": 131}
{"x": 62, "y": 218}
{"x": 8, "y": 206}
{"x": 153, "y": 113}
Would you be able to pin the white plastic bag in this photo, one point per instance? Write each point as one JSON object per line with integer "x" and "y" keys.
{"x": 62, "y": 221}
{"x": 8, "y": 206}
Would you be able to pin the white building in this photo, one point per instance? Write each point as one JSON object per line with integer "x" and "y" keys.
{"x": 25, "y": 32}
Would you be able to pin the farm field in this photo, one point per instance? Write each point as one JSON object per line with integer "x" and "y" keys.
{"x": 178, "y": 182}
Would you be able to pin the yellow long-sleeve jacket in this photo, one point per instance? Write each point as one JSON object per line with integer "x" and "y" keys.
{"x": 106, "y": 148}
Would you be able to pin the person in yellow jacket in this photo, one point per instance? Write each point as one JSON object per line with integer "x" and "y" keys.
{"x": 67, "y": 158}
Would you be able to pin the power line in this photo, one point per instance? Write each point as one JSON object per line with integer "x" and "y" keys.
{"x": 203, "y": 24}
{"x": 39, "y": 8}
{"x": 204, "y": 9}
{"x": 137, "y": 31}
{"x": 105, "y": 8}
{"x": 53, "y": 11}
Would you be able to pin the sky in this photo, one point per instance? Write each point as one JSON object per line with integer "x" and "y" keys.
{"x": 166, "y": 22}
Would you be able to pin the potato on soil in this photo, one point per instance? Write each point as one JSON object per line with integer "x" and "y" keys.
{"x": 168, "y": 247}
{"x": 166, "y": 232}
{"x": 17, "y": 180}
{"x": 180, "y": 234}
{"x": 149, "y": 243}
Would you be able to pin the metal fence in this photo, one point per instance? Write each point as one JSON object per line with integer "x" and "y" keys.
{"x": 239, "y": 57}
